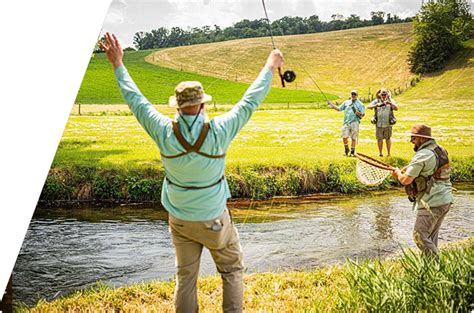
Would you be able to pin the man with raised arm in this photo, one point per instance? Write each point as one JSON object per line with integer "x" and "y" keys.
{"x": 428, "y": 185}
{"x": 353, "y": 112}
{"x": 195, "y": 190}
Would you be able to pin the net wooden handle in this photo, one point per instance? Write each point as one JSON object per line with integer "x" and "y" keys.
{"x": 374, "y": 162}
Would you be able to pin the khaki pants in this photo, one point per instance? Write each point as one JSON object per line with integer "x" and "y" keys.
{"x": 224, "y": 246}
{"x": 427, "y": 226}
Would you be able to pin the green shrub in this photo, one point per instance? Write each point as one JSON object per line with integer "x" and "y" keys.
{"x": 440, "y": 29}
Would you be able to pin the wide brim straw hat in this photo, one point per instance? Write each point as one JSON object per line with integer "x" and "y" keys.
{"x": 421, "y": 130}
{"x": 189, "y": 93}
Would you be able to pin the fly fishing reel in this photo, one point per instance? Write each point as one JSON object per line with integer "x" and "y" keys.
{"x": 288, "y": 76}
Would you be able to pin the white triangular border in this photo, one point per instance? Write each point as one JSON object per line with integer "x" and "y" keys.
{"x": 46, "y": 47}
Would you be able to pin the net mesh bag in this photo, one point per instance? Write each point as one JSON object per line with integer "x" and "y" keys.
{"x": 369, "y": 174}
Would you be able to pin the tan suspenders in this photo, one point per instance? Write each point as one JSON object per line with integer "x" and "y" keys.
{"x": 187, "y": 146}
{"x": 192, "y": 148}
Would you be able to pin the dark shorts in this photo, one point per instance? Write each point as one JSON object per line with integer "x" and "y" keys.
{"x": 383, "y": 132}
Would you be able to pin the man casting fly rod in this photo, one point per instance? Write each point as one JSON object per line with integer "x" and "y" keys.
{"x": 195, "y": 190}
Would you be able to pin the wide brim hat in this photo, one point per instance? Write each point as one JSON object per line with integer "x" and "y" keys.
{"x": 421, "y": 130}
{"x": 189, "y": 93}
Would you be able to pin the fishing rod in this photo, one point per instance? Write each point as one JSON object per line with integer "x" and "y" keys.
{"x": 289, "y": 75}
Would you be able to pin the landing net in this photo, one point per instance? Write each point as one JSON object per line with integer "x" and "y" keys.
{"x": 371, "y": 172}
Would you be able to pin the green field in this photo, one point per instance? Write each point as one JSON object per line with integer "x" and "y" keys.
{"x": 157, "y": 83}
{"x": 286, "y": 148}
{"x": 272, "y": 137}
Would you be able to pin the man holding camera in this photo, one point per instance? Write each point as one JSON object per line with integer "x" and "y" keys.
{"x": 383, "y": 119}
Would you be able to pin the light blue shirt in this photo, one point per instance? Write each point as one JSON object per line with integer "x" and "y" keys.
{"x": 349, "y": 115}
{"x": 423, "y": 163}
{"x": 193, "y": 169}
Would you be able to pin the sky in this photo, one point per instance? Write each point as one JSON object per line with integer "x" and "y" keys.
{"x": 126, "y": 17}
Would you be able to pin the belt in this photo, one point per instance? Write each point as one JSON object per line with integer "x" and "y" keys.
{"x": 195, "y": 187}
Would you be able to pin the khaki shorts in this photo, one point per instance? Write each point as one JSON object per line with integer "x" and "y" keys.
{"x": 383, "y": 132}
{"x": 350, "y": 130}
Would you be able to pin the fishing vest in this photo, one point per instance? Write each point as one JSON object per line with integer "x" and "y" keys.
{"x": 423, "y": 184}
{"x": 192, "y": 148}
{"x": 392, "y": 120}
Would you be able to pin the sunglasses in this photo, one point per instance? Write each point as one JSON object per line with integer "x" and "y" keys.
{"x": 353, "y": 94}
{"x": 383, "y": 94}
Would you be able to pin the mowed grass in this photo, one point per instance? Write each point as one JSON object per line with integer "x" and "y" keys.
{"x": 272, "y": 137}
{"x": 157, "y": 83}
{"x": 363, "y": 58}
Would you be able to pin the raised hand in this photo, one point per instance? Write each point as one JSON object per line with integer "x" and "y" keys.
{"x": 275, "y": 59}
{"x": 113, "y": 50}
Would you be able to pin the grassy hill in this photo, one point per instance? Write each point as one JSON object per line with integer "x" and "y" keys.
{"x": 450, "y": 85}
{"x": 362, "y": 58}
{"x": 157, "y": 83}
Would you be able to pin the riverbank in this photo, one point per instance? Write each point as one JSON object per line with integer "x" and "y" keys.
{"x": 73, "y": 185}
{"x": 406, "y": 283}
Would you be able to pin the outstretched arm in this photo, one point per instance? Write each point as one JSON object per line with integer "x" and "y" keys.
{"x": 333, "y": 106}
{"x": 235, "y": 119}
{"x": 146, "y": 114}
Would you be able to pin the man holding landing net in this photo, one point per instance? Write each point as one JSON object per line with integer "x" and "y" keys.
{"x": 428, "y": 185}
{"x": 195, "y": 190}
{"x": 353, "y": 112}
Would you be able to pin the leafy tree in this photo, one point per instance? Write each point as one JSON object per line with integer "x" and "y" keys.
{"x": 440, "y": 28}
{"x": 314, "y": 24}
{"x": 377, "y": 17}
{"x": 98, "y": 48}
{"x": 353, "y": 21}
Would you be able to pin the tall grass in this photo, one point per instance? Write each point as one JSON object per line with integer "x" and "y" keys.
{"x": 413, "y": 283}
{"x": 406, "y": 284}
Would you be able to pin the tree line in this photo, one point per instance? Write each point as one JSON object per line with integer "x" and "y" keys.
{"x": 176, "y": 36}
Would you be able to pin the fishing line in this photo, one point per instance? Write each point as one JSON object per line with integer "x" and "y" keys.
{"x": 228, "y": 69}
{"x": 269, "y": 25}
{"x": 289, "y": 75}
{"x": 302, "y": 67}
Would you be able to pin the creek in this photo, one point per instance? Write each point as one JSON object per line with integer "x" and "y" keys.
{"x": 69, "y": 249}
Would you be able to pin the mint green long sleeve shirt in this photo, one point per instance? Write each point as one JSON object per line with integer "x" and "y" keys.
{"x": 193, "y": 169}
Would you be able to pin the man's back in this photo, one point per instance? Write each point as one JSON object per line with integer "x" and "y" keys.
{"x": 192, "y": 169}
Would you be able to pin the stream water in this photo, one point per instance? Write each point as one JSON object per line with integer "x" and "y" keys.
{"x": 69, "y": 249}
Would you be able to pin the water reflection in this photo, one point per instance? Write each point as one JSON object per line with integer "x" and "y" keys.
{"x": 69, "y": 249}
